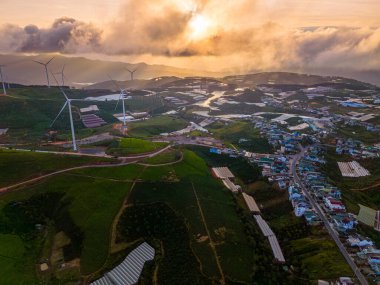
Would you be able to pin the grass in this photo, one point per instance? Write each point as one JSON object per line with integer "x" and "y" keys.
{"x": 241, "y": 134}
{"x": 164, "y": 157}
{"x": 123, "y": 173}
{"x": 239, "y": 166}
{"x": 93, "y": 204}
{"x": 357, "y": 133}
{"x": 14, "y": 265}
{"x": 159, "y": 222}
{"x": 16, "y": 166}
{"x": 128, "y": 146}
{"x": 320, "y": 257}
{"x": 155, "y": 126}
{"x": 219, "y": 209}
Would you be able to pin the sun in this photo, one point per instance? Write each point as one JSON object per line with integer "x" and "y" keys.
{"x": 199, "y": 27}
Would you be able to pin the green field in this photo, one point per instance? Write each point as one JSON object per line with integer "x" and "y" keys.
{"x": 83, "y": 204}
{"x": 128, "y": 146}
{"x": 168, "y": 156}
{"x": 13, "y": 264}
{"x": 241, "y": 134}
{"x": 320, "y": 257}
{"x": 17, "y": 166}
{"x": 237, "y": 251}
{"x": 155, "y": 126}
{"x": 92, "y": 205}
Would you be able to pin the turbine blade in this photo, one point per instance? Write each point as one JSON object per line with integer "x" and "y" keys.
{"x": 118, "y": 100}
{"x": 113, "y": 82}
{"x": 60, "y": 88}
{"x": 38, "y": 62}
{"x": 81, "y": 100}
{"x": 60, "y": 112}
{"x": 50, "y": 60}
{"x": 128, "y": 70}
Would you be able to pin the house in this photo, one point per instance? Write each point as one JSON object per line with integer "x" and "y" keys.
{"x": 343, "y": 222}
{"x": 358, "y": 241}
{"x": 333, "y": 204}
{"x": 300, "y": 209}
{"x": 344, "y": 281}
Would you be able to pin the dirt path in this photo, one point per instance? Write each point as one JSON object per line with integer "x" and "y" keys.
{"x": 125, "y": 161}
{"x": 112, "y": 236}
{"x": 121, "y": 210}
{"x": 377, "y": 184}
{"x": 163, "y": 164}
{"x": 212, "y": 244}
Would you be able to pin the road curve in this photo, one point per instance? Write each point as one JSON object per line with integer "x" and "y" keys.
{"x": 124, "y": 161}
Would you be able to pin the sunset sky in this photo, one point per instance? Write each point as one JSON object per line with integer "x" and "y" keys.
{"x": 215, "y": 34}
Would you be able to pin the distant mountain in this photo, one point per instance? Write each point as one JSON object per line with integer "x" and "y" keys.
{"x": 93, "y": 74}
{"x": 81, "y": 72}
{"x": 293, "y": 81}
{"x": 135, "y": 84}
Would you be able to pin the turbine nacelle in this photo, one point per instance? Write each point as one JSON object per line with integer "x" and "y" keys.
{"x": 45, "y": 64}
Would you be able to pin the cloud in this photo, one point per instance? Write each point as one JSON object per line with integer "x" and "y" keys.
{"x": 238, "y": 33}
{"x": 66, "y": 35}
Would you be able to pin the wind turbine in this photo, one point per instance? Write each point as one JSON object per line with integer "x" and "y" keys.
{"x": 132, "y": 72}
{"x": 68, "y": 104}
{"x": 46, "y": 69}
{"x": 62, "y": 74}
{"x": 2, "y": 79}
{"x": 121, "y": 96}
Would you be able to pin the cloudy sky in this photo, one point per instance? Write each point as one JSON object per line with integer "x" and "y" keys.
{"x": 239, "y": 35}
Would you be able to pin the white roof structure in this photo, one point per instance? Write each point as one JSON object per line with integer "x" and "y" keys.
{"x": 91, "y": 108}
{"x": 230, "y": 185}
{"x": 277, "y": 252}
{"x": 267, "y": 232}
{"x": 222, "y": 172}
{"x": 264, "y": 227}
{"x": 352, "y": 169}
{"x": 251, "y": 203}
{"x": 129, "y": 271}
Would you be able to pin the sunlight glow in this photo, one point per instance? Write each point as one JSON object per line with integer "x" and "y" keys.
{"x": 199, "y": 27}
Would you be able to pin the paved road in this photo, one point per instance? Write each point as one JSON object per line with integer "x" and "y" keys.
{"x": 328, "y": 226}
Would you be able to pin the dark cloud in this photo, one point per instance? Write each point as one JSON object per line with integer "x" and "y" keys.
{"x": 66, "y": 35}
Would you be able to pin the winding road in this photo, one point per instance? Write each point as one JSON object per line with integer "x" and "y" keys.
{"x": 124, "y": 161}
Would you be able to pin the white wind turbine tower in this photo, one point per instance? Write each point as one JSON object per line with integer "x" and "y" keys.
{"x": 132, "y": 72}
{"x": 122, "y": 97}
{"x": 2, "y": 79}
{"x": 62, "y": 73}
{"x": 68, "y": 104}
{"x": 46, "y": 69}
